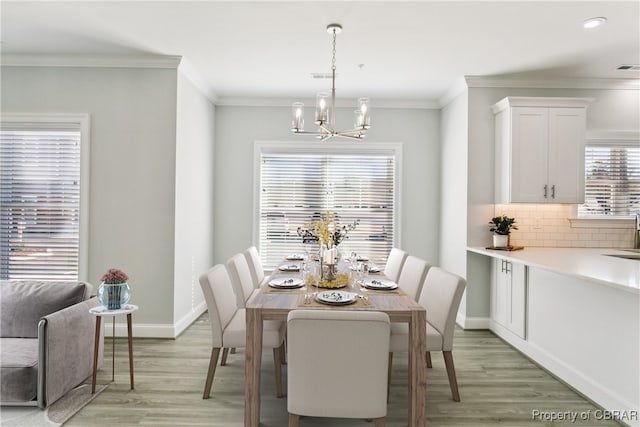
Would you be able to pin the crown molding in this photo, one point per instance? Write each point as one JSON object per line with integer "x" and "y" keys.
{"x": 192, "y": 74}
{"x": 551, "y": 83}
{"x": 286, "y": 102}
{"x": 457, "y": 89}
{"x": 98, "y": 61}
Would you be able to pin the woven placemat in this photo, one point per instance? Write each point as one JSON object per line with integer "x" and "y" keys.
{"x": 313, "y": 303}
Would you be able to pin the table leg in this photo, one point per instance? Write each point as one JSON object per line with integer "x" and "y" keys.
{"x": 113, "y": 349}
{"x": 130, "y": 337}
{"x": 252, "y": 363}
{"x": 96, "y": 348}
{"x": 417, "y": 369}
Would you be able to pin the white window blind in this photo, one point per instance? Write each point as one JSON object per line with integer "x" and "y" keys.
{"x": 296, "y": 188}
{"x": 39, "y": 201}
{"x": 612, "y": 179}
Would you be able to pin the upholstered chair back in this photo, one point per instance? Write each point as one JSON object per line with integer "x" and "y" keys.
{"x": 395, "y": 261}
{"x": 320, "y": 387}
{"x": 441, "y": 297}
{"x": 241, "y": 280}
{"x": 412, "y": 276}
{"x": 255, "y": 265}
{"x": 221, "y": 300}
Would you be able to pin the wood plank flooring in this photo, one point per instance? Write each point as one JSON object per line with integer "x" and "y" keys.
{"x": 498, "y": 387}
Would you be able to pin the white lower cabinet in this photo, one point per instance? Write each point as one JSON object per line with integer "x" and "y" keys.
{"x": 509, "y": 296}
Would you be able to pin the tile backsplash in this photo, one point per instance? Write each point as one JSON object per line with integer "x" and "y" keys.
{"x": 549, "y": 226}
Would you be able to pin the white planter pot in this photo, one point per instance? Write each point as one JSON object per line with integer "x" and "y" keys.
{"x": 500, "y": 241}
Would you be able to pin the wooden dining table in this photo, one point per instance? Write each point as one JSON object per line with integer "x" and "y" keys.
{"x": 275, "y": 304}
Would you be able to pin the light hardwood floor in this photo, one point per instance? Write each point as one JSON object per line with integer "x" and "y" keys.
{"x": 498, "y": 386}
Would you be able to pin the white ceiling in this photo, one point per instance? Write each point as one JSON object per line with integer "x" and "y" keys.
{"x": 415, "y": 50}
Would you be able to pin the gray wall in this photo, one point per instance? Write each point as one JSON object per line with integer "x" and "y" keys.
{"x": 194, "y": 201}
{"x": 237, "y": 128}
{"x": 139, "y": 169}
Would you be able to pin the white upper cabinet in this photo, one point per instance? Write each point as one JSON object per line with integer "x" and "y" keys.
{"x": 540, "y": 150}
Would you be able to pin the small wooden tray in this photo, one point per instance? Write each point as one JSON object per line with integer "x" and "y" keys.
{"x": 506, "y": 248}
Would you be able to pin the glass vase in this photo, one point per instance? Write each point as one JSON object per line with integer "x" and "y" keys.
{"x": 114, "y": 295}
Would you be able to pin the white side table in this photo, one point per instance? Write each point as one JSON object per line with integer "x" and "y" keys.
{"x": 101, "y": 312}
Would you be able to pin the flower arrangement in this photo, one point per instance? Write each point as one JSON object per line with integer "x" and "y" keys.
{"x": 114, "y": 275}
{"x": 502, "y": 225}
{"x": 326, "y": 231}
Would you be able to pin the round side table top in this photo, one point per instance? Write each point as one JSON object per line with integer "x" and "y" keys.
{"x": 103, "y": 311}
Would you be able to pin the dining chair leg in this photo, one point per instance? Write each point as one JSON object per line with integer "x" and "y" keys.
{"x": 225, "y": 353}
{"x": 278, "y": 354}
{"x": 294, "y": 420}
{"x": 429, "y": 359}
{"x": 213, "y": 361}
{"x": 389, "y": 375}
{"x": 451, "y": 372}
{"x": 380, "y": 422}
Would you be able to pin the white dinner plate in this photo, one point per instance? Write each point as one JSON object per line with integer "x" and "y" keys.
{"x": 380, "y": 284}
{"x": 286, "y": 283}
{"x": 336, "y": 297}
{"x": 374, "y": 269}
{"x": 295, "y": 257}
{"x": 290, "y": 267}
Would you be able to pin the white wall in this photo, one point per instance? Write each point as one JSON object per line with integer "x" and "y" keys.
{"x": 238, "y": 127}
{"x": 194, "y": 201}
{"x": 132, "y": 213}
{"x": 611, "y": 110}
{"x": 453, "y": 206}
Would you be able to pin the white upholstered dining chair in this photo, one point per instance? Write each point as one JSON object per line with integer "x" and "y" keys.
{"x": 228, "y": 325}
{"x": 395, "y": 260}
{"x": 255, "y": 265}
{"x": 412, "y": 276}
{"x": 319, "y": 387}
{"x": 440, "y": 296}
{"x": 240, "y": 274}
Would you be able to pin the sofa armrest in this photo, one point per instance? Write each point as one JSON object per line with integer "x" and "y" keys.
{"x": 66, "y": 343}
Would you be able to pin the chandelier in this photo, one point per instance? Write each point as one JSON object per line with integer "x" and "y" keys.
{"x": 326, "y": 106}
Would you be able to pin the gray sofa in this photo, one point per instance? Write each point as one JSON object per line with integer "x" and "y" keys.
{"x": 46, "y": 340}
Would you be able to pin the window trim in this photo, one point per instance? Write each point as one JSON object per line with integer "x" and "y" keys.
{"x": 331, "y": 147}
{"x": 631, "y": 138}
{"x": 83, "y": 121}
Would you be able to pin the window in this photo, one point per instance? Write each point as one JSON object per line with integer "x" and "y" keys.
{"x": 612, "y": 178}
{"x": 40, "y": 195}
{"x": 299, "y": 182}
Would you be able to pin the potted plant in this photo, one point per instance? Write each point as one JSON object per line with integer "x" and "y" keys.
{"x": 114, "y": 292}
{"x": 502, "y": 226}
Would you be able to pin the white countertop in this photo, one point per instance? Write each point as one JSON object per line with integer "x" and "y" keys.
{"x": 586, "y": 263}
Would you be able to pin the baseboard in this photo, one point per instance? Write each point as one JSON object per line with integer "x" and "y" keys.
{"x": 472, "y": 322}
{"x": 582, "y": 384}
{"x": 142, "y": 330}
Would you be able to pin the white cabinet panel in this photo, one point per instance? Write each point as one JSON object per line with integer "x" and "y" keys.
{"x": 540, "y": 150}
{"x": 516, "y": 322}
{"x": 509, "y": 296}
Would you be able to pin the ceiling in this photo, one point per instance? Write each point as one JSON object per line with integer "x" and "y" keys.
{"x": 413, "y": 51}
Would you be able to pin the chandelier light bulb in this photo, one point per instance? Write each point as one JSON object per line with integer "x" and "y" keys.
{"x": 298, "y": 116}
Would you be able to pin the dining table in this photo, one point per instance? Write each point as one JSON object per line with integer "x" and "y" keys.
{"x": 274, "y": 303}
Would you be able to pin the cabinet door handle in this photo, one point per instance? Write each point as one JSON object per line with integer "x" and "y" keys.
{"x": 506, "y": 267}
{"x": 545, "y": 191}
{"x": 553, "y": 191}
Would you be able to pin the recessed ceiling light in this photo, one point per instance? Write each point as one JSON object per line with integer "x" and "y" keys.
{"x": 594, "y": 22}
